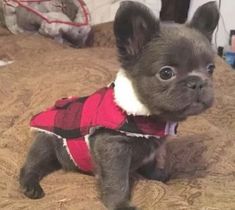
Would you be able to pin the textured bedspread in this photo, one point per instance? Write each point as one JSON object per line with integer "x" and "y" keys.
{"x": 202, "y": 159}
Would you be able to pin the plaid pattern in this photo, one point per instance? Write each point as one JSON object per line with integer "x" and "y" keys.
{"x": 73, "y": 118}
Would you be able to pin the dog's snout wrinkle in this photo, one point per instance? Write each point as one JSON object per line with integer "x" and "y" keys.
{"x": 195, "y": 82}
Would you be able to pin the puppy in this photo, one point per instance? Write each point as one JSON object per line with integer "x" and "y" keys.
{"x": 166, "y": 76}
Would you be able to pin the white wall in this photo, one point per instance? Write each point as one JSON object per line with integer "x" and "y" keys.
{"x": 104, "y": 10}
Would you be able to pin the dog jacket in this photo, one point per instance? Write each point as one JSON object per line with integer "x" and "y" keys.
{"x": 74, "y": 118}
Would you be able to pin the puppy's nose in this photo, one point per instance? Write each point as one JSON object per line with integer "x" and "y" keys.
{"x": 195, "y": 83}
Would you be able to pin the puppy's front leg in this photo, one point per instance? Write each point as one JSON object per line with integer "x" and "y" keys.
{"x": 156, "y": 168}
{"x": 112, "y": 157}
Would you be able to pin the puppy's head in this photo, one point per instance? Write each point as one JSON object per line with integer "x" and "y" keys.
{"x": 170, "y": 66}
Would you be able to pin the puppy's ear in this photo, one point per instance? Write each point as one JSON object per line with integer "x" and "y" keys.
{"x": 134, "y": 27}
{"x": 206, "y": 19}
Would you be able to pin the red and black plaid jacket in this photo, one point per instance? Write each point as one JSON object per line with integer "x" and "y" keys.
{"x": 73, "y": 118}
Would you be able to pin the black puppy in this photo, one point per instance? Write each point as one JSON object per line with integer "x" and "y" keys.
{"x": 166, "y": 76}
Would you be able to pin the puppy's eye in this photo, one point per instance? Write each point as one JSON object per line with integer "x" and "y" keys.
{"x": 166, "y": 72}
{"x": 210, "y": 68}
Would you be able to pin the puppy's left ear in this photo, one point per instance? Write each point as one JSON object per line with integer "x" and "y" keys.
{"x": 206, "y": 19}
{"x": 134, "y": 26}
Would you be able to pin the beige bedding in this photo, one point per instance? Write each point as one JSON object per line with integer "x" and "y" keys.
{"x": 202, "y": 159}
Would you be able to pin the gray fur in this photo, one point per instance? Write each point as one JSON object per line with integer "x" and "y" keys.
{"x": 145, "y": 46}
{"x": 181, "y": 46}
{"x": 206, "y": 19}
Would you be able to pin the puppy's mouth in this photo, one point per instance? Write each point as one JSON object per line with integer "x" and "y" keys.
{"x": 194, "y": 108}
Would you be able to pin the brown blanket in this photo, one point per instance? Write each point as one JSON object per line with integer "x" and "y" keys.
{"x": 202, "y": 158}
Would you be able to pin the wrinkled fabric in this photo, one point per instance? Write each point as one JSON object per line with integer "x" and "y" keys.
{"x": 73, "y": 118}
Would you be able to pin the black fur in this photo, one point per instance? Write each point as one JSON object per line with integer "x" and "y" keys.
{"x": 145, "y": 46}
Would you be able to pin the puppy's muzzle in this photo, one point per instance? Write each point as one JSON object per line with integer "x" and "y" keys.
{"x": 195, "y": 83}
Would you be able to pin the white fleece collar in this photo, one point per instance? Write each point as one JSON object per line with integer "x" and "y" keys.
{"x": 125, "y": 96}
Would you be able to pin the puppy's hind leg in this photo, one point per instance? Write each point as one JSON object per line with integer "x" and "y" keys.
{"x": 41, "y": 160}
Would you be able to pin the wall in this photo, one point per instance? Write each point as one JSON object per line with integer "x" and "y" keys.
{"x": 103, "y": 11}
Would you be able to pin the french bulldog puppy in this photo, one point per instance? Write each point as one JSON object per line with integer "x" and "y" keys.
{"x": 165, "y": 77}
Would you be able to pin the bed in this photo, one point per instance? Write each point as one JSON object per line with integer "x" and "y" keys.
{"x": 201, "y": 158}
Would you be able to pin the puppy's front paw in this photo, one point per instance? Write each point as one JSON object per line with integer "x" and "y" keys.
{"x": 159, "y": 175}
{"x": 33, "y": 191}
